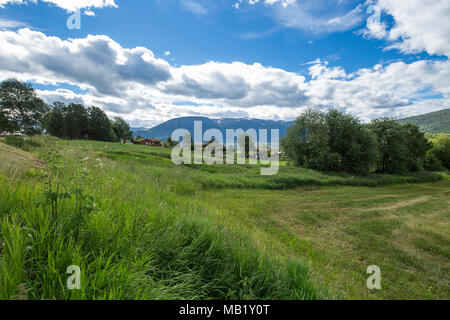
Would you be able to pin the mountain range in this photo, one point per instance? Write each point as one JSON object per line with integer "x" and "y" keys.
{"x": 435, "y": 122}
{"x": 164, "y": 130}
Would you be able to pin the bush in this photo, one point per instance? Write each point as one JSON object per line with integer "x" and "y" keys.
{"x": 402, "y": 148}
{"x": 335, "y": 141}
{"x": 441, "y": 149}
{"x": 355, "y": 145}
{"x": 307, "y": 143}
{"x": 331, "y": 141}
{"x": 432, "y": 162}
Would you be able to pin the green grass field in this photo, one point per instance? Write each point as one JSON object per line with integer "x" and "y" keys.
{"x": 140, "y": 227}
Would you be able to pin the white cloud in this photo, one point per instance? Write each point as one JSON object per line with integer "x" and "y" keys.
{"x": 11, "y": 24}
{"x": 89, "y": 13}
{"x": 96, "y": 62}
{"x": 68, "y": 5}
{"x": 194, "y": 7}
{"x": 146, "y": 90}
{"x": 396, "y": 89}
{"x": 284, "y": 3}
{"x": 313, "y": 16}
{"x": 237, "y": 84}
{"x": 420, "y": 25}
{"x": 4, "y": 2}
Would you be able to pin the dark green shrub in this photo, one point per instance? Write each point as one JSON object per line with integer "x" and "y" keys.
{"x": 331, "y": 141}
{"x": 402, "y": 148}
{"x": 432, "y": 162}
{"x": 441, "y": 149}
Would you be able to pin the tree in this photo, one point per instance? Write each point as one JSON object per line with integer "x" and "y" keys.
{"x": 70, "y": 122}
{"x": 4, "y": 122}
{"x": 441, "y": 149}
{"x": 402, "y": 148}
{"x": 432, "y": 162}
{"x": 76, "y": 121}
{"x": 365, "y": 154}
{"x": 392, "y": 146}
{"x": 99, "y": 126}
{"x": 355, "y": 145}
{"x": 54, "y": 121}
{"x": 20, "y": 108}
{"x": 306, "y": 142}
{"x": 121, "y": 129}
{"x": 331, "y": 141}
{"x": 417, "y": 145}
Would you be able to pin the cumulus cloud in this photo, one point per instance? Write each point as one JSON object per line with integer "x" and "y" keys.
{"x": 392, "y": 90}
{"x": 132, "y": 83}
{"x": 238, "y": 84}
{"x": 68, "y": 5}
{"x": 96, "y": 62}
{"x": 419, "y": 25}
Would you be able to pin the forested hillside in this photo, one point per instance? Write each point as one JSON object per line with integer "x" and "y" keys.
{"x": 435, "y": 122}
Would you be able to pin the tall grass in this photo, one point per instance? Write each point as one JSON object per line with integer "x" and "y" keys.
{"x": 131, "y": 232}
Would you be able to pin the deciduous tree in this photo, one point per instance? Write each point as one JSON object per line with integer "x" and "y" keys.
{"x": 121, "y": 129}
{"x": 20, "y": 108}
{"x": 99, "y": 126}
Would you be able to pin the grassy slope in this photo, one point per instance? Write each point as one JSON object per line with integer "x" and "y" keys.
{"x": 133, "y": 238}
{"x": 435, "y": 122}
{"x": 196, "y": 232}
{"x": 14, "y": 160}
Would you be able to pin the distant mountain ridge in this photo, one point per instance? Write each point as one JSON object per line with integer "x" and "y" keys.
{"x": 434, "y": 122}
{"x": 164, "y": 130}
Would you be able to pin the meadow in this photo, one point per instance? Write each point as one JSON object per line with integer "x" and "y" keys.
{"x": 140, "y": 227}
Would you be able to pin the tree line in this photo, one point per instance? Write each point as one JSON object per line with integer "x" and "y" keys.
{"x": 22, "y": 110}
{"x": 75, "y": 121}
{"x": 327, "y": 141}
{"x": 334, "y": 141}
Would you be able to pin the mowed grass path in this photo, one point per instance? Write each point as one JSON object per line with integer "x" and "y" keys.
{"x": 340, "y": 231}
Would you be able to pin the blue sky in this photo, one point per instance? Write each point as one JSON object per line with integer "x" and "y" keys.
{"x": 149, "y": 60}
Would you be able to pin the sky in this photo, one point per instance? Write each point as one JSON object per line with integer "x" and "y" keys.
{"x": 149, "y": 61}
